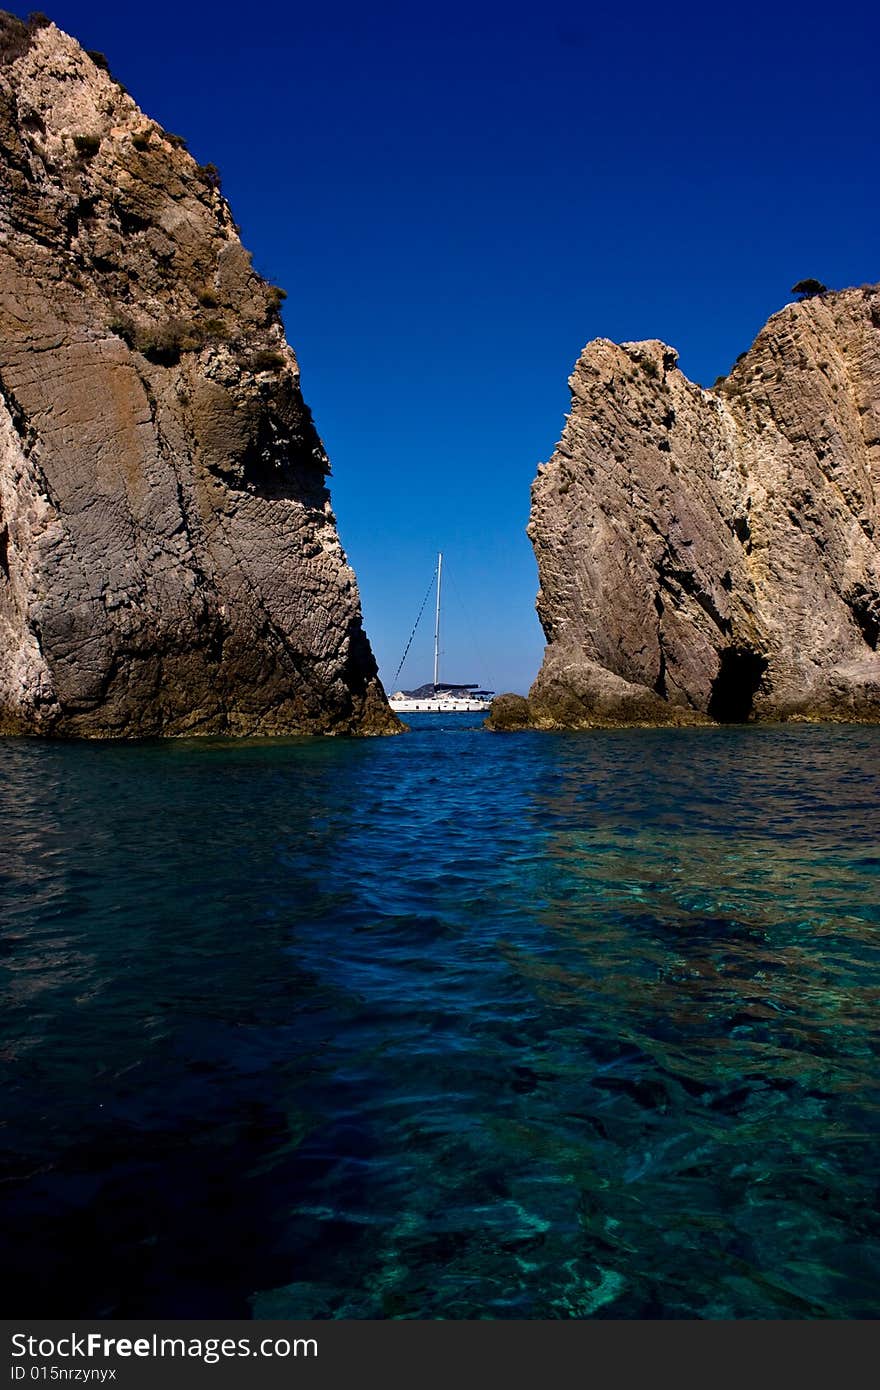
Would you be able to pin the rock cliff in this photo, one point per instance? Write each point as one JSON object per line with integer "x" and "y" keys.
{"x": 169, "y": 561}
{"x": 713, "y": 555}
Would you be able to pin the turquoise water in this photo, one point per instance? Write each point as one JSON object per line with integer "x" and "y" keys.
{"x": 450, "y": 1025}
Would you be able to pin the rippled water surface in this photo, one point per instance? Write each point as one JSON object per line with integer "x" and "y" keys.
{"x": 449, "y": 1025}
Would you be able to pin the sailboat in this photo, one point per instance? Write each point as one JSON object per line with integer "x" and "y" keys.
{"x": 445, "y": 697}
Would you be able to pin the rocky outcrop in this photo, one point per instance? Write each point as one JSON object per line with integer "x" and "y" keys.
{"x": 713, "y": 555}
{"x": 169, "y": 560}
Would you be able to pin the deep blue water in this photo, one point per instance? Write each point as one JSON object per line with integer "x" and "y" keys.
{"x": 447, "y": 1025}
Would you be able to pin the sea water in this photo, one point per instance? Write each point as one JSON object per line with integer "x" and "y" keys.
{"x": 448, "y": 1025}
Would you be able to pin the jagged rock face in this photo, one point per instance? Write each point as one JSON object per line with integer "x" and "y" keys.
{"x": 169, "y": 561}
{"x": 713, "y": 555}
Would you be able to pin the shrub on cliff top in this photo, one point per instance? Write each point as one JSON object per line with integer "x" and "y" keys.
{"x": 16, "y": 34}
{"x": 267, "y": 360}
{"x": 123, "y": 325}
{"x": 211, "y": 175}
{"x": 162, "y": 343}
{"x": 165, "y": 342}
{"x": 808, "y": 289}
{"x": 216, "y": 329}
{"x": 87, "y": 145}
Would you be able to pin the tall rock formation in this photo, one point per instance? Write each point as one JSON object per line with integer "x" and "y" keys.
{"x": 715, "y": 555}
{"x": 169, "y": 561}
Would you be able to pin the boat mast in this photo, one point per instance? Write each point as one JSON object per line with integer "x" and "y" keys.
{"x": 437, "y": 623}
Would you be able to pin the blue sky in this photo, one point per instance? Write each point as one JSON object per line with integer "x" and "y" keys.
{"x": 457, "y": 198}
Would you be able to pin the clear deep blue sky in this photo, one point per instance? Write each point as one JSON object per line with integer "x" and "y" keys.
{"x": 458, "y": 198}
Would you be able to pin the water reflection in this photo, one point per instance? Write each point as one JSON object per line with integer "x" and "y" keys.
{"x": 451, "y": 1025}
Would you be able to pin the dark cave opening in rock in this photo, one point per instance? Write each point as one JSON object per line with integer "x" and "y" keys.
{"x": 735, "y": 686}
{"x": 865, "y": 608}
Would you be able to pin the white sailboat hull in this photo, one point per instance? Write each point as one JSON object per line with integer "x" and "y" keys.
{"x": 438, "y": 705}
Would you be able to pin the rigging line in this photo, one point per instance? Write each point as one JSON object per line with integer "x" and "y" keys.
{"x": 488, "y": 683}
{"x": 413, "y": 633}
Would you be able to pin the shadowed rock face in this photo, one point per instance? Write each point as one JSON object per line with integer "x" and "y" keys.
{"x": 169, "y": 561}
{"x": 713, "y": 555}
